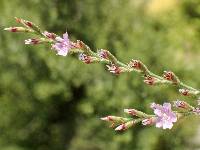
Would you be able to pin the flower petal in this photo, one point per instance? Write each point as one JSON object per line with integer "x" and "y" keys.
{"x": 65, "y": 37}
{"x": 159, "y": 124}
{"x": 167, "y": 106}
{"x": 173, "y": 117}
{"x": 62, "y": 53}
{"x": 158, "y": 112}
{"x": 167, "y": 125}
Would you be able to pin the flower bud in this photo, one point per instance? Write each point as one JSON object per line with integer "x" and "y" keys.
{"x": 184, "y": 92}
{"x": 151, "y": 80}
{"x": 32, "y": 41}
{"x": 18, "y": 29}
{"x": 135, "y": 112}
{"x": 103, "y": 54}
{"x": 124, "y": 126}
{"x": 114, "y": 119}
{"x": 170, "y": 76}
{"x": 148, "y": 121}
{"x": 137, "y": 65}
{"x": 36, "y": 41}
{"x": 183, "y": 105}
{"x": 114, "y": 69}
{"x": 187, "y": 92}
{"x": 87, "y": 59}
{"x": 79, "y": 44}
{"x": 86, "y": 49}
{"x": 130, "y": 111}
{"x": 49, "y": 35}
{"x": 108, "y": 118}
{"x": 29, "y": 25}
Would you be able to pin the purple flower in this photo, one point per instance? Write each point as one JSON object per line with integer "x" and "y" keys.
{"x": 164, "y": 115}
{"x": 63, "y": 45}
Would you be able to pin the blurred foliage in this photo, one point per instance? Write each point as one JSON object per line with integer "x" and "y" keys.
{"x": 49, "y": 102}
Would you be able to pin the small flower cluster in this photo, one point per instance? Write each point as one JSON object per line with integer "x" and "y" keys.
{"x": 163, "y": 116}
{"x": 62, "y": 45}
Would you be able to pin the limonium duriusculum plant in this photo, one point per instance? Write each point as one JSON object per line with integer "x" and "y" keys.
{"x": 163, "y": 117}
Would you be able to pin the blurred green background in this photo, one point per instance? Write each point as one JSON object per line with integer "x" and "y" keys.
{"x": 48, "y": 102}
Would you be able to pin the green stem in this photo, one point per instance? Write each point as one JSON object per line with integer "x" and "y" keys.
{"x": 188, "y": 87}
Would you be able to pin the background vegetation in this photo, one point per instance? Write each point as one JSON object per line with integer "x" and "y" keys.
{"x": 49, "y": 102}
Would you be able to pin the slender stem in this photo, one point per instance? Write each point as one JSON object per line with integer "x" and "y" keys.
{"x": 148, "y": 72}
{"x": 188, "y": 87}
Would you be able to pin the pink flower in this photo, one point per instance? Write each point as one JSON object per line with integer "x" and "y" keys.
{"x": 165, "y": 117}
{"x": 63, "y": 45}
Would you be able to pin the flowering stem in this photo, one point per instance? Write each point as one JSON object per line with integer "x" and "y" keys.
{"x": 163, "y": 115}
{"x": 169, "y": 78}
